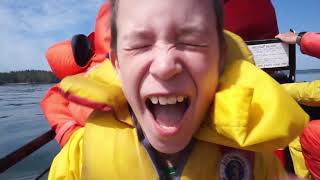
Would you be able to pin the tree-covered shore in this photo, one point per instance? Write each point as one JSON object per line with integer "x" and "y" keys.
{"x": 28, "y": 76}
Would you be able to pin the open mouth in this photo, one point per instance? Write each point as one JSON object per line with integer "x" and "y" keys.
{"x": 168, "y": 111}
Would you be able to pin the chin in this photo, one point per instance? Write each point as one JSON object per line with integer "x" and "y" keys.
{"x": 170, "y": 146}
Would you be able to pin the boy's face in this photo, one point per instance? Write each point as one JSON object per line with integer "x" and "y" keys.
{"x": 167, "y": 60}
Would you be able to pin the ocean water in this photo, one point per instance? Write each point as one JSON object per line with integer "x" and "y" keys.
{"x": 21, "y": 120}
{"x": 307, "y": 77}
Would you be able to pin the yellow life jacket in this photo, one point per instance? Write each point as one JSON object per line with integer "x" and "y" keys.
{"x": 251, "y": 112}
{"x": 298, "y": 161}
{"x": 306, "y": 93}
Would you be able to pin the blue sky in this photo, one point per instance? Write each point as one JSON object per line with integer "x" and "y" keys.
{"x": 28, "y": 28}
{"x": 300, "y": 15}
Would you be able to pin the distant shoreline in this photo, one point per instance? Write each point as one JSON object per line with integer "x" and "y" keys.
{"x": 24, "y": 83}
{"x": 307, "y": 71}
{"x": 28, "y": 77}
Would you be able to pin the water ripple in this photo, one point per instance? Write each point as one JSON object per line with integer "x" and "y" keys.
{"x": 15, "y": 104}
{"x": 22, "y": 104}
{"x": 3, "y": 117}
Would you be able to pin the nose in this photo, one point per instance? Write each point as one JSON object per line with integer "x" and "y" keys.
{"x": 165, "y": 64}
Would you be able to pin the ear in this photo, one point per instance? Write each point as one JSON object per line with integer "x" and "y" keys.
{"x": 114, "y": 59}
{"x": 223, "y": 58}
{"x": 115, "y": 62}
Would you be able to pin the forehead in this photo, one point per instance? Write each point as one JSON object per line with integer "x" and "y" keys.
{"x": 164, "y": 14}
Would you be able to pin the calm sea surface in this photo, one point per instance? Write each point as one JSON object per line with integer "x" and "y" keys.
{"x": 307, "y": 76}
{"x": 21, "y": 120}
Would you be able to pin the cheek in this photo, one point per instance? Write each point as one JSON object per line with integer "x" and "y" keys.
{"x": 127, "y": 75}
{"x": 131, "y": 73}
{"x": 204, "y": 68}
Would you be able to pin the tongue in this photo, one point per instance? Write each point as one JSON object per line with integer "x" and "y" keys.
{"x": 169, "y": 115}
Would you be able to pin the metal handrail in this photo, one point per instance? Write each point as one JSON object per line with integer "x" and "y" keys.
{"x": 11, "y": 159}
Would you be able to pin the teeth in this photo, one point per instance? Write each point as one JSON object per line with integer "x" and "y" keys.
{"x": 163, "y": 100}
{"x": 172, "y": 100}
{"x": 154, "y": 100}
{"x": 166, "y": 100}
{"x": 180, "y": 98}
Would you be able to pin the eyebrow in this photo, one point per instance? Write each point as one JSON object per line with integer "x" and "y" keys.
{"x": 197, "y": 30}
{"x": 138, "y": 34}
{"x": 142, "y": 33}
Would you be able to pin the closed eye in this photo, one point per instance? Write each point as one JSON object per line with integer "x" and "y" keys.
{"x": 138, "y": 47}
{"x": 196, "y": 45}
{"x": 185, "y": 45}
